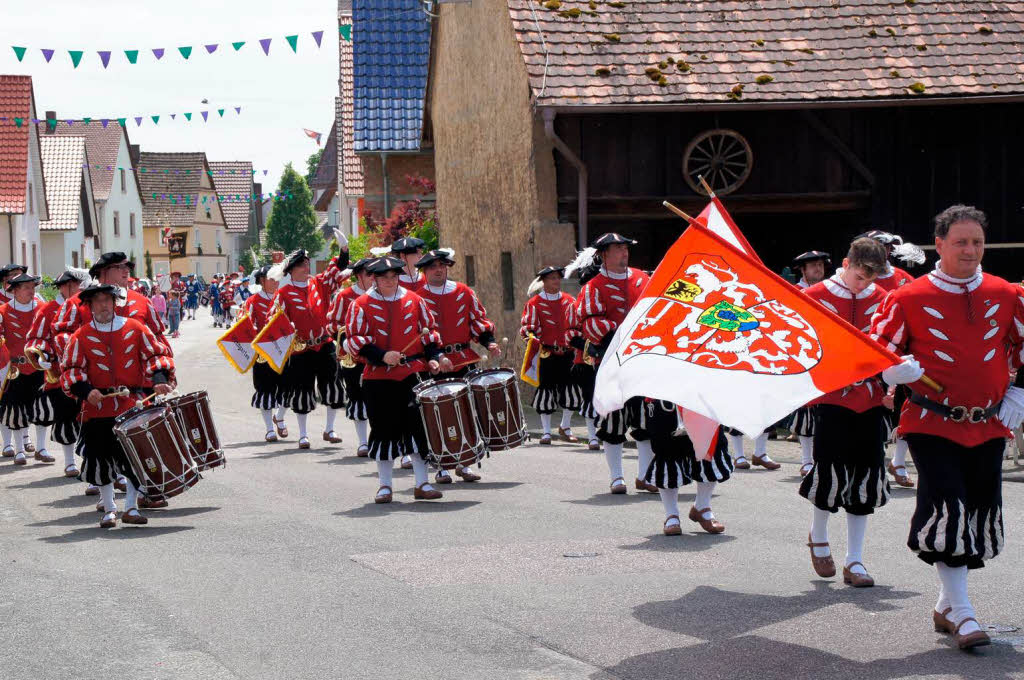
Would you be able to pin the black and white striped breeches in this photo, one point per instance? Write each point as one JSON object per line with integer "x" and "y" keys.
{"x": 17, "y": 405}
{"x": 631, "y": 418}
{"x": 313, "y": 374}
{"x": 675, "y": 462}
{"x": 583, "y": 377}
{"x": 396, "y": 427}
{"x": 268, "y": 387}
{"x": 557, "y": 389}
{"x": 959, "y": 515}
{"x": 53, "y": 407}
{"x": 849, "y": 460}
{"x": 353, "y": 378}
{"x": 803, "y": 422}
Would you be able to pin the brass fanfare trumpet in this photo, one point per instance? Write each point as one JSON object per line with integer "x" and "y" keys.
{"x": 35, "y": 356}
{"x": 344, "y": 358}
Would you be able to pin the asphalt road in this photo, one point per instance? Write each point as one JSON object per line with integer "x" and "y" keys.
{"x": 281, "y": 566}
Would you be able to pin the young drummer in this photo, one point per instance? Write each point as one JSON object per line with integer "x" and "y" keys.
{"x": 17, "y": 405}
{"x": 351, "y": 366}
{"x": 849, "y": 453}
{"x": 548, "y": 316}
{"x": 394, "y": 332}
{"x": 268, "y": 386}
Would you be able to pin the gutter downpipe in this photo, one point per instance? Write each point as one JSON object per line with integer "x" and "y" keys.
{"x": 387, "y": 184}
{"x": 581, "y": 172}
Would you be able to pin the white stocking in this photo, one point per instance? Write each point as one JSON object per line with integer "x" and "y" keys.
{"x": 566, "y": 419}
{"x": 806, "y": 450}
{"x": 332, "y": 415}
{"x": 670, "y": 501}
{"x": 761, "y": 446}
{"x": 107, "y": 497}
{"x": 268, "y": 418}
{"x": 591, "y": 429}
{"x": 69, "y": 454}
{"x": 301, "y": 418}
{"x": 131, "y": 497}
{"x": 703, "y": 500}
{"x": 856, "y": 527}
{"x": 613, "y": 456}
{"x": 281, "y": 410}
{"x": 954, "y": 585}
{"x": 419, "y": 470}
{"x": 361, "y": 431}
{"x": 736, "y": 444}
{"x": 40, "y": 437}
{"x": 545, "y": 422}
{"x": 19, "y": 440}
{"x": 385, "y": 470}
{"x": 819, "y": 531}
{"x": 899, "y": 456}
{"x": 644, "y": 456}
{"x": 8, "y": 435}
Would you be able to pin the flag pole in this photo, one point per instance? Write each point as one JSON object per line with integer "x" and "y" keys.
{"x": 679, "y": 212}
{"x": 707, "y": 187}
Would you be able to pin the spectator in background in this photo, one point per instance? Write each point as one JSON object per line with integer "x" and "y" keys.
{"x": 160, "y": 304}
{"x": 174, "y": 313}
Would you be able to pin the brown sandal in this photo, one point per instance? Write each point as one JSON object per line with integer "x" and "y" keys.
{"x": 978, "y": 638}
{"x": 674, "y": 530}
{"x": 852, "y": 578}
{"x": 712, "y": 526}
{"x": 823, "y": 566}
{"x": 901, "y": 478}
{"x": 943, "y": 624}
{"x": 385, "y": 498}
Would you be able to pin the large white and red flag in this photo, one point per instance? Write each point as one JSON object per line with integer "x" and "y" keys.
{"x": 717, "y": 219}
{"x": 719, "y": 334}
{"x": 275, "y": 341}
{"x": 236, "y": 344}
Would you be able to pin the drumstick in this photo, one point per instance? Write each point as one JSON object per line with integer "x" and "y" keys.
{"x": 414, "y": 341}
{"x": 123, "y": 392}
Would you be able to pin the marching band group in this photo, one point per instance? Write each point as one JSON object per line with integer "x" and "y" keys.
{"x": 370, "y": 333}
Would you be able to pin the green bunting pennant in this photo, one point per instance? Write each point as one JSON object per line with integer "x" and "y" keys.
{"x": 185, "y": 51}
{"x": 52, "y": 123}
{"x": 238, "y": 45}
{"x": 20, "y": 51}
{"x": 17, "y": 121}
{"x": 86, "y": 121}
{"x": 346, "y": 31}
{"x": 76, "y": 57}
{"x": 221, "y": 112}
{"x": 156, "y": 119}
{"x": 133, "y": 56}
{"x": 293, "y": 41}
{"x": 188, "y": 117}
{"x": 121, "y": 121}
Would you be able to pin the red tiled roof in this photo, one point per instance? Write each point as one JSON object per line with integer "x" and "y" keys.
{"x": 778, "y": 50}
{"x": 15, "y": 102}
{"x": 326, "y": 175}
{"x": 170, "y": 174}
{"x": 102, "y": 143}
{"x": 63, "y": 157}
{"x": 236, "y": 181}
{"x": 351, "y": 166}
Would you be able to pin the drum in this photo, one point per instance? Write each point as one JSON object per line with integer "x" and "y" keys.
{"x": 196, "y": 422}
{"x": 498, "y": 409}
{"x": 453, "y": 439}
{"x": 157, "y": 451}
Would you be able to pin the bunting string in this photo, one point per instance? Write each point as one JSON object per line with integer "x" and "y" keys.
{"x": 190, "y": 199}
{"x": 131, "y": 56}
{"x": 123, "y": 120}
{"x": 165, "y": 171}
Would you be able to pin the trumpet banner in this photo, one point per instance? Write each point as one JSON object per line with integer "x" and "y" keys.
{"x": 236, "y": 344}
{"x": 530, "y": 372}
{"x": 275, "y": 341}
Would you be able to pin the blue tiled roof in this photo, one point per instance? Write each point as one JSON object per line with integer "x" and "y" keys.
{"x": 390, "y": 59}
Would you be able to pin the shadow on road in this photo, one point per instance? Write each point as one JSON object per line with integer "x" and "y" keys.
{"x": 92, "y": 515}
{"x": 121, "y": 533}
{"x": 695, "y": 541}
{"x": 752, "y": 656}
{"x": 46, "y": 483}
{"x": 608, "y": 499}
{"x": 372, "y": 509}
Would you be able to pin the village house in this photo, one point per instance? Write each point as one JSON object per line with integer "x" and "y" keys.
{"x": 239, "y": 201}
{"x": 67, "y": 237}
{"x": 22, "y": 190}
{"x": 555, "y": 122}
{"x": 180, "y": 200}
{"x": 115, "y": 188}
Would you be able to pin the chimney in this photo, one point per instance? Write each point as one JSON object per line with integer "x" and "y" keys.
{"x": 49, "y": 127}
{"x": 134, "y": 153}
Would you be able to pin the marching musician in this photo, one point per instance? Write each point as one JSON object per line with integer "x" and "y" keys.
{"x": 408, "y": 250}
{"x": 215, "y": 307}
{"x": 849, "y": 447}
{"x": 604, "y": 302}
{"x": 177, "y": 283}
{"x": 583, "y": 372}
{"x": 106, "y": 354}
{"x": 114, "y": 269}
{"x": 8, "y": 272}
{"x": 548, "y": 317}
{"x": 312, "y": 369}
{"x": 17, "y": 405}
{"x": 395, "y": 333}
{"x": 460, "y": 318}
{"x": 813, "y": 266}
{"x": 964, "y": 329}
{"x": 54, "y": 407}
{"x": 192, "y": 290}
{"x": 352, "y": 367}
{"x": 268, "y": 385}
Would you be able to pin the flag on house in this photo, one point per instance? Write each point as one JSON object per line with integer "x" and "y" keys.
{"x": 312, "y": 134}
{"x": 719, "y": 334}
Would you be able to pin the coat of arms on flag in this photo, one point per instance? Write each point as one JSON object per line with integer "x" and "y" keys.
{"x": 530, "y": 372}
{"x": 717, "y": 333}
{"x": 236, "y": 344}
{"x": 275, "y": 341}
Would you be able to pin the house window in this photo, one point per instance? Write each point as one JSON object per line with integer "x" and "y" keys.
{"x": 198, "y": 244}
{"x": 124, "y": 182}
{"x": 470, "y": 271}
{"x": 74, "y": 259}
{"x": 508, "y": 293}
{"x": 131, "y": 224}
{"x": 117, "y": 224}
{"x": 35, "y": 259}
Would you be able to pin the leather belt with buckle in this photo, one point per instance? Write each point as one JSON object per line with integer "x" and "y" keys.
{"x": 958, "y": 414}
{"x": 409, "y": 359}
{"x": 457, "y": 347}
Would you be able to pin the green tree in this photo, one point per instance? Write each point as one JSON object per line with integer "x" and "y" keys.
{"x": 311, "y": 163}
{"x": 149, "y": 266}
{"x": 292, "y": 223}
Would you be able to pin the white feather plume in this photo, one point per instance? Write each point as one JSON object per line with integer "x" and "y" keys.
{"x": 584, "y": 258}
{"x": 81, "y": 274}
{"x": 449, "y": 251}
{"x": 345, "y": 273}
{"x": 908, "y": 252}
{"x": 535, "y": 287}
{"x": 277, "y": 272}
{"x": 380, "y": 251}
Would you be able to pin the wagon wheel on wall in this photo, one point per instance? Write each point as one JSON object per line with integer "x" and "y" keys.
{"x": 722, "y": 156}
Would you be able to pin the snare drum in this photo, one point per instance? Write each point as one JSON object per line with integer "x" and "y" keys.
{"x": 157, "y": 451}
{"x": 498, "y": 409}
{"x": 196, "y": 422}
{"x": 453, "y": 439}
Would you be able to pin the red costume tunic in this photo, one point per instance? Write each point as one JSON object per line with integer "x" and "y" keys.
{"x": 967, "y": 334}
{"x": 123, "y": 354}
{"x": 376, "y": 325}
{"x": 15, "y": 325}
{"x": 135, "y": 306}
{"x": 258, "y": 308}
{"x": 550, "y": 318}
{"x": 606, "y": 299}
{"x": 893, "y": 279}
{"x": 43, "y": 337}
{"x": 460, "y": 318}
{"x": 340, "y": 306}
{"x": 856, "y": 310}
{"x": 306, "y": 305}
{"x": 412, "y": 283}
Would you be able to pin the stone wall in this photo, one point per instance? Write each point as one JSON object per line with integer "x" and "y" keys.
{"x": 399, "y": 167}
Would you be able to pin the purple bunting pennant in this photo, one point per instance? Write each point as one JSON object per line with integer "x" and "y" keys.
{"x": 264, "y": 173}
{"x": 205, "y": 114}
{"x": 173, "y": 115}
{"x": 317, "y": 35}
{"x": 138, "y": 121}
{"x": 104, "y": 57}
{"x": 265, "y": 44}
{"x": 238, "y": 109}
{"x": 69, "y": 121}
{"x": 36, "y": 121}
{"x": 47, "y": 54}
{"x": 210, "y": 49}
{"x": 158, "y": 52}
{"x": 104, "y": 121}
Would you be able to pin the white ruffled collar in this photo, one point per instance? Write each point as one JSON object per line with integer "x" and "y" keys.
{"x": 615, "y": 275}
{"x": 357, "y": 289}
{"x": 23, "y": 306}
{"x": 835, "y": 285}
{"x": 377, "y": 296}
{"x": 263, "y": 294}
{"x": 298, "y": 284}
{"x": 550, "y": 297}
{"x": 951, "y": 284}
{"x": 448, "y": 287}
{"x": 115, "y": 325}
